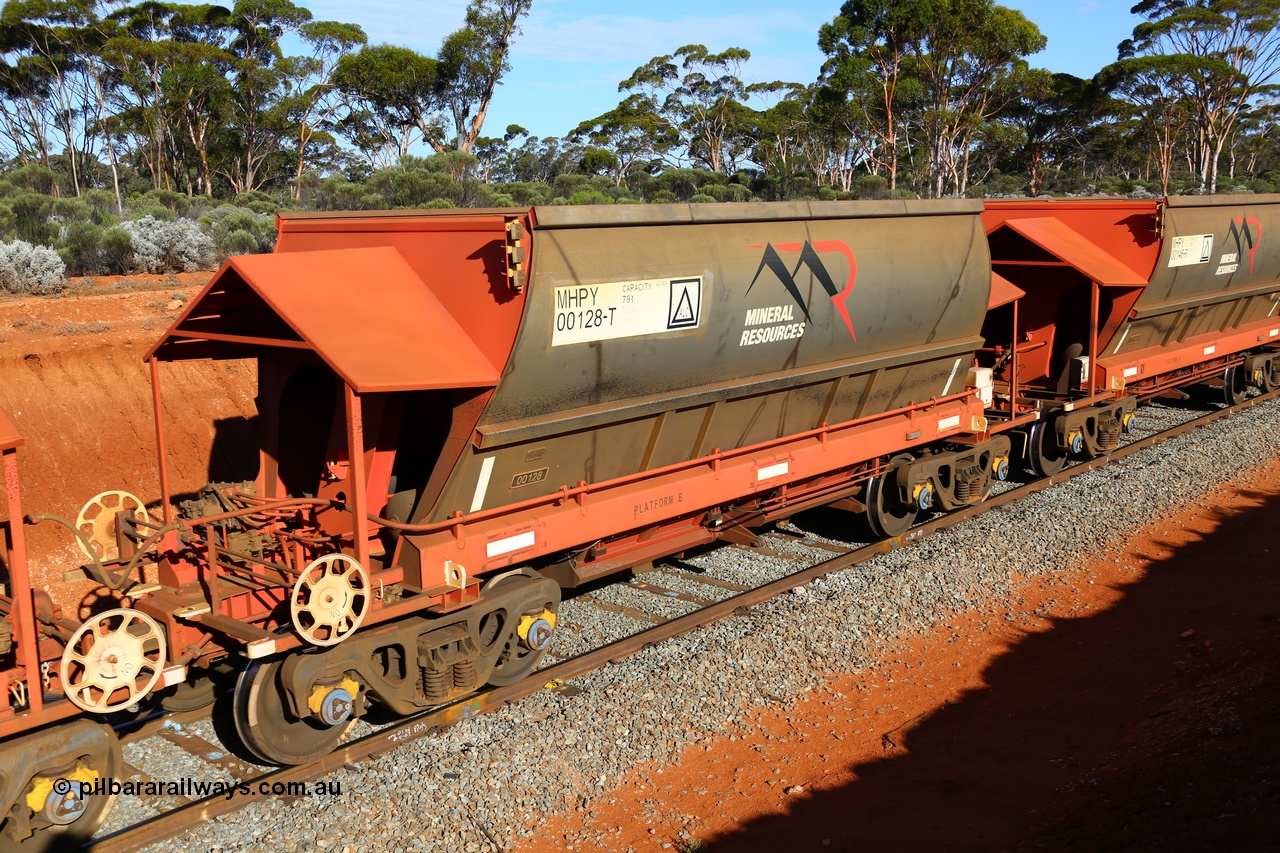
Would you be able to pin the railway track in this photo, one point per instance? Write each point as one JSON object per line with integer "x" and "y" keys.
{"x": 665, "y": 603}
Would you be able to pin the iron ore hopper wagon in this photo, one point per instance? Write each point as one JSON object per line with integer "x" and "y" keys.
{"x": 1111, "y": 302}
{"x": 461, "y": 413}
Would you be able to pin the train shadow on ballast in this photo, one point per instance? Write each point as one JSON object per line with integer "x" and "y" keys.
{"x": 1114, "y": 729}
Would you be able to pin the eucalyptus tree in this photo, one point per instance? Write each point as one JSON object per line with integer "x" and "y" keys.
{"x": 391, "y": 101}
{"x": 1049, "y": 118}
{"x": 969, "y": 59}
{"x": 54, "y": 75}
{"x": 170, "y": 65}
{"x": 633, "y": 132}
{"x": 1227, "y": 54}
{"x": 1156, "y": 92}
{"x": 473, "y": 61}
{"x": 845, "y": 143}
{"x": 257, "y": 122}
{"x": 867, "y": 45}
{"x": 699, "y": 96}
{"x": 781, "y": 130}
{"x": 314, "y": 100}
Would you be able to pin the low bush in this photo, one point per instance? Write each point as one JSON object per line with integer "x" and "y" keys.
{"x": 37, "y": 270}
{"x": 169, "y": 246}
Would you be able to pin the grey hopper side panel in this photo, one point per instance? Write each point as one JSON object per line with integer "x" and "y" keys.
{"x": 915, "y": 288}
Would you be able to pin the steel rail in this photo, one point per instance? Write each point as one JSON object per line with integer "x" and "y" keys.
{"x": 184, "y": 817}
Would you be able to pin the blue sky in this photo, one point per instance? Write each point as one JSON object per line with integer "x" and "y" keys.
{"x": 568, "y": 62}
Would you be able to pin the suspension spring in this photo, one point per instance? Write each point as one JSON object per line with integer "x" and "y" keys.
{"x": 464, "y": 675}
{"x": 968, "y": 484}
{"x": 435, "y": 683}
{"x": 1109, "y": 433}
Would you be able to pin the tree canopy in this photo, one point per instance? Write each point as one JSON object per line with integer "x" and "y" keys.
{"x": 914, "y": 98}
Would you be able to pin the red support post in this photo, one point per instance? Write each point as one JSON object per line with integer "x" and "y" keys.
{"x": 1093, "y": 337}
{"x": 160, "y": 452}
{"x": 356, "y": 476}
{"x": 19, "y": 576}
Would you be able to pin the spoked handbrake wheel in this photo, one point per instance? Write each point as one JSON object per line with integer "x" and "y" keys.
{"x": 98, "y": 520}
{"x": 113, "y": 660}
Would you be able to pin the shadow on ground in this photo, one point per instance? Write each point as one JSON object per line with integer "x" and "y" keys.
{"x": 1114, "y": 731}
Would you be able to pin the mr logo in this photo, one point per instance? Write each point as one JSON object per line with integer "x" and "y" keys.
{"x": 809, "y": 257}
{"x": 1247, "y": 233}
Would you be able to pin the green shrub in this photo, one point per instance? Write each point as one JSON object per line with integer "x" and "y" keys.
{"x": 81, "y": 248}
{"x": 701, "y": 198}
{"x": 103, "y": 203}
{"x": 589, "y": 196}
{"x": 872, "y": 186}
{"x": 158, "y": 212}
{"x": 567, "y": 185}
{"x": 257, "y": 201}
{"x": 528, "y": 193}
{"x": 32, "y": 178}
{"x": 115, "y": 251}
{"x": 31, "y": 212}
{"x": 176, "y": 203}
{"x": 238, "y": 242}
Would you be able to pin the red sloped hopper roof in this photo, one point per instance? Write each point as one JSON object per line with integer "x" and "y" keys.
{"x": 1072, "y": 247}
{"x": 365, "y": 312}
{"x": 9, "y": 435}
{"x": 1003, "y": 291}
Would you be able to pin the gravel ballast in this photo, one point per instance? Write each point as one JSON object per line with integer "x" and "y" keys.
{"x": 488, "y": 780}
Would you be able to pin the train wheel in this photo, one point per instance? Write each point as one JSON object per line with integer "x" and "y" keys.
{"x": 267, "y": 726}
{"x": 61, "y": 815}
{"x": 1271, "y": 378}
{"x": 1235, "y": 386}
{"x": 526, "y": 635}
{"x": 189, "y": 695}
{"x": 1044, "y": 457}
{"x": 201, "y": 688}
{"x": 886, "y": 514}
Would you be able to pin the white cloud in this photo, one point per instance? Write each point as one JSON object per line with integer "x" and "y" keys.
{"x": 419, "y": 25}
{"x": 608, "y": 38}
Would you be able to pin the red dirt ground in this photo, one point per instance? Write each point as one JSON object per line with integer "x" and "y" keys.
{"x": 73, "y": 381}
{"x": 1130, "y": 705}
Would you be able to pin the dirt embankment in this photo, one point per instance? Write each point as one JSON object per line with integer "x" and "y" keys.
{"x": 73, "y": 381}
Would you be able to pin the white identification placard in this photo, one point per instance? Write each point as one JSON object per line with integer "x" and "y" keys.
{"x": 625, "y": 309}
{"x": 1191, "y": 249}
